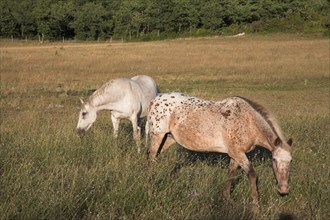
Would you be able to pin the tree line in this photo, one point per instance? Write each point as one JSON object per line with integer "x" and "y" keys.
{"x": 150, "y": 19}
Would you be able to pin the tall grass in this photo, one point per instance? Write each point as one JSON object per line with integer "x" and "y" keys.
{"x": 48, "y": 172}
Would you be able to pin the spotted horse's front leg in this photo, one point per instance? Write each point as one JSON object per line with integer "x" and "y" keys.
{"x": 239, "y": 158}
{"x": 233, "y": 165}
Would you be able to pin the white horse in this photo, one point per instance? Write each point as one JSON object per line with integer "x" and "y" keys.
{"x": 124, "y": 97}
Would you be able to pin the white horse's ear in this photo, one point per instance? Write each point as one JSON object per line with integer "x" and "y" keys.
{"x": 82, "y": 101}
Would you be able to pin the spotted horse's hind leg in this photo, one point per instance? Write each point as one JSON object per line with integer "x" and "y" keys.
{"x": 158, "y": 143}
{"x": 155, "y": 142}
{"x": 155, "y": 145}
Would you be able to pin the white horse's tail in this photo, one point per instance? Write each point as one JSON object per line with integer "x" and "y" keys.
{"x": 147, "y": 132}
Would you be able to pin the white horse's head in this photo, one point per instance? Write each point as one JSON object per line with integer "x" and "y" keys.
{"x": 281, "y": 165}
{"x": 87, "y": 117}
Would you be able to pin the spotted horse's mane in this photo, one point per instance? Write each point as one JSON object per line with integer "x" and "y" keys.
{"x": 267, "y": 116}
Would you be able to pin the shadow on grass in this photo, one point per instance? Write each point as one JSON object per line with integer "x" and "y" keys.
{"x": 221, "y": 210}
{"x": 257, "y": 156}
{"x": 220, "y": 206}
{"x": 286, "y": 216}
{"x": 81, "y": 93}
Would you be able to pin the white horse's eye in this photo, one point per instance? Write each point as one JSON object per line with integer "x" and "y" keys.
{"x": 84, "y": 114}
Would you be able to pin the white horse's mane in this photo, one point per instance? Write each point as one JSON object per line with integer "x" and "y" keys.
{"x": 98, "y": 97}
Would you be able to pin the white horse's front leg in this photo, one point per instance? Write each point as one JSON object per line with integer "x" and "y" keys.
{"x": 115, "y": 124}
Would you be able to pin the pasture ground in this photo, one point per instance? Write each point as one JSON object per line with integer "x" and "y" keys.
{"x": 48, "y": 172}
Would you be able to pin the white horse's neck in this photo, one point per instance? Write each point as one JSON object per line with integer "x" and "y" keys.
{"x": 100, "y": 103}
{"x": 111, "y": 92}
{"x": 108, "y": 97}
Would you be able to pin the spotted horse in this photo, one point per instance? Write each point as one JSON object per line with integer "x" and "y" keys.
{"x": 233, "y": 126}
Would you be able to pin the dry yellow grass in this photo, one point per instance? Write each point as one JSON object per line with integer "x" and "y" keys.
{"x": 178, "y": 65}
{"x": 217, "y": 58}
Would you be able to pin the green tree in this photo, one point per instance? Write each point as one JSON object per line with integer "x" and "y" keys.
{"x": 166, "y": 21}
{"x": 138, "y": 17}
{"x": 23, "y": 16}
{"x": 86, "y": 19}
{"x": 91, "y": 22}
{"x": 122, "y": 20}
{"x": 132, "y": 19}
{"x": 186, "y": 15}
{"x": 152, "y": 16}
{"x": 7, "y": 20}
{"x": 41, "y": 14}
{"x": 61, "y": 17}
{"x": 212, "y": 15}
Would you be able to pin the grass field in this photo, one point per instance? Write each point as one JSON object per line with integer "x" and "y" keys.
{"x": 48, "y": 172}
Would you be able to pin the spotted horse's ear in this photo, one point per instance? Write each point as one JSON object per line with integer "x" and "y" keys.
{"x": 277, "y": 141}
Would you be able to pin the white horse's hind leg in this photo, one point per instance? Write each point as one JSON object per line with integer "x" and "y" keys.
{"x": 115, "y": 124}
{"x": 136, "y": 131}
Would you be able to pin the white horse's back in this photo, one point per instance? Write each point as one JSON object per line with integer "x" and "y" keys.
{"x": 147, "y": 84}
{"x": 146, "y": 92}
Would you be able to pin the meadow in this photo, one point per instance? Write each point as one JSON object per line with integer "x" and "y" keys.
{"x": 48, "y": 172}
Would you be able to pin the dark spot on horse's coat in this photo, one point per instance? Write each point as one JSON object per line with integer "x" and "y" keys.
{"x": 226, "y": 114}
{"x": 172, "y": 97}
